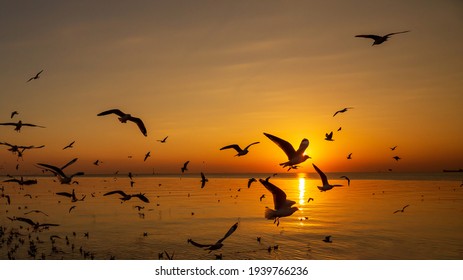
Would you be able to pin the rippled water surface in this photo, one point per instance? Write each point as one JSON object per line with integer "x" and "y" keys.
{"x": 359, "y": 218}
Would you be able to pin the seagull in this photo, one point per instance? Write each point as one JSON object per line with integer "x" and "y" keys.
{"x": 22, "y": 182}
{"x": 393, "y": 148}
{"x": 184, "y": 168}
{"x": 327, "y": 239}
{"x": 30, "y": 222}
{"x": 349, "y": 156}
{"x": 329, "y": 136}
{"x": 8, "y": 198}
{"x": 326, "y": 186}
{"x": 126, "y": 197}
{"x": 380, "y": 39}
{"x": 37, "y": 76}
{"x": 203, "y": 180}
{"x": 123, "y": 118}
{"x": 241, "y": 152}
{"x": 19, "y": 150}
{"x": 13, "y": 113}
{"x": 401, "y": 210}
{"x": 396, "y": 158}
{"x": 63, "y": 178}
{"x": 261, "y": 197}
{"x": 97, "y": 162}
{"x": 217, "y": 244}
{"x": 347, "y": 178}
{"x": 250, "y": 181}
{"x": 342, "y": 110}
{"x": 310, "y": 198}
{"x": 71, "y": 195}
{"x": 294, "y": 157}
{"x": 281, "y": 204}
{"x": 36, "y": 211}
{"x": 148, "y": 154}
{"x": 20, "y": 124}
{"x": 163, "y": 140}
{"x": 69, "y": 145}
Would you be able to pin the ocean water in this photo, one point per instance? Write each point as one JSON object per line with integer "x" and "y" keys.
{"x": 359, "y": 218}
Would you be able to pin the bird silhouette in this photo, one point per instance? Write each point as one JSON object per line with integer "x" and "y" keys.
{"x": 250, "y": 181}
{"x": 22, "y": 182}
{"x": 241, "y": 152}
{"x": 37, "y": 76}
{"x": 69, "y": 145}
{"x": 184, "y": 167}
{"x": 349, "y": 156}
{"x": 294, "y": 157}
{"x": 35, "y": 225}
{"x": 126, "y": 197}
{"x": 203, "y": 180}
{"x": 58, "y": 172}
{"x": 342, "y": 110}
{"x": 329, "y": 136}
{"x": 13, "y": 114}
{"x": 377, "y": 39}
{"x": 123, "y": 118}
{"x": 396, "y": 158}
{"x": 71, "y": 195}
{"x": 281, "y": 204}
{"x": 347, "y": 178}
{"x": 327, "y": 239}
{"x": 217, "y": 245}
{"x": 401, "y": 210}
{"x": 393, "y": 148}
{"x": 20, "y": 124}
{"x": 148, "y": 154}
{"x": 326, "y": 186}
{"x": 163, "y": 140}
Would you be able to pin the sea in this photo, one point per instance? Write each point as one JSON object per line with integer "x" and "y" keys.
{"x": 359, "y": 217}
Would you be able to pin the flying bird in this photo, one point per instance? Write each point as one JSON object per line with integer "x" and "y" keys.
{"x": 37, "y": 76}
{"x": 310, "y": 199}
{"x": 13, "y": 114}
{"x": 148, "y": 154}
{"x": 377, "y": 39}
{"x": 20, "y": 124}
{"x": 22, "y": 182}
{"x": 393, "y": 148}
{"x": 342, "y": 110}
{"x": 250, "y": 181}
{"x": 329, "y": 136}
{"x": 163, "y": 140}
{"x": 396, "y": 158}
{"x": 281, "y": 204}
{"x": 69, "y": 145}
{"x": 58, "y": 172}
{"x": 294, "y": 157}
{"x": 71, "y": 195}
{"x": 326, "y": 186}
{"x": 126, "y": 197}
{"x": 35, "y": 225}
{"x": 241, "y": 152}
{"x": 261, "y": 197}
{"x": 203, "y": 180}
{"x": 217, "y": 245}
{"x": 347, "y": 178}
{"x": 19, "y": 150}
{"x": 36, "y": 211}
{"x": 349, "y": 156}
{"x": 123, "y": 118}
{"x": 184, "y": 168}
{"x": 401, "y": 210}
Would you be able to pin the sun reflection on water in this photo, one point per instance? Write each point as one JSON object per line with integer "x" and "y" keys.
{"x": 301, "y": 190}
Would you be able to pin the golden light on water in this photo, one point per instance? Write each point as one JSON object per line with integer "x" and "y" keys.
{"x": 301, "y": 190}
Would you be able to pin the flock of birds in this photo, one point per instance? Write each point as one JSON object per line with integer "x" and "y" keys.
{"x": 282, "y": 206}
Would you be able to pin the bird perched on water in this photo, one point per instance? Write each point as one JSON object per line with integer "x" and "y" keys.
{"x": 342, "y": 110}
{"x": 20, "y": 124}
{"x": 163, "y": 140}
{"x": 69, "y": 145}
{"x": 241, "y": 152}
{"x": 203, "y": 180}
{"x": 37, "y": 76}
{"x": 294, "y": 157}
{"x": 58, "y": 172}
{"x": 327, "y": 239}
{"x": 329, "y": 136}
{"x": 281, "y": 204}
{"x": 401, "y": 210}
{"x": 123, "y": 118}
{"x": 377, "y": 39}
{"x": 217, "y": 245}
{"x": 184, "y": 167}
{"x": 126, "y": 197}
{"x": 326, "y": 186}
{"x": 35, "y": 225}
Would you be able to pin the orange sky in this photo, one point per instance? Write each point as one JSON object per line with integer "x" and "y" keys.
{"x": 213, "y": 73}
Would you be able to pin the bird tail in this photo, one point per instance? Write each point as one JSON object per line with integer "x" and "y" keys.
{"x": 270, "y": 214}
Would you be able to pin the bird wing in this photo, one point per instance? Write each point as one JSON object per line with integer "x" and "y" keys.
{"x": 48, "y": 225}
{"x": 141, "y": 197}
{"x": 112, "y": 111}
{"x": 232, "y": 146}
{"x": 26, "y": 220}
{"x": 283, "y": 144}
{"x": 370, "y": 36}
{"x": 113, "y": 192}
{"x": 405, "y": 207}
{"x": 250, "y": 181}
{"x": 185, "y": 164}
{"x": 303, "y": 146}
{"x": 251, "y": 145}
{"x": 53, "y": 169}
{"x": 198, "y": 244}
{"x": 279, "y": 196}
{"x": 229, "y": 232}
{"x": 64, "y": 194}
{"x": 33, "y": 125}
{"x": 396, "y": 33}
{"x": 69, "y": 163}
{"x": 322, "y": 175}
{"x": 140, "y": 125}
{"x": 13, "y": 180}
{"x": 9, "y": 124}
{"x": 203, "y": 178}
